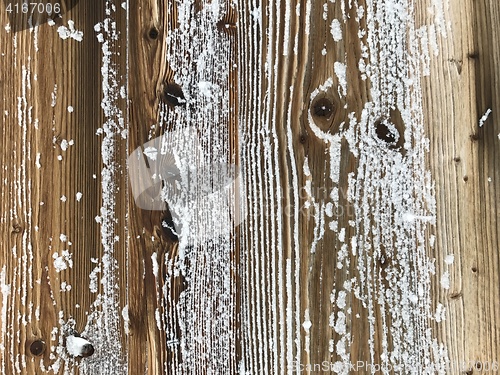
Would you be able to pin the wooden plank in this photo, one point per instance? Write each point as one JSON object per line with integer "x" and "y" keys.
{"x": 51, "y": 153}
{"x": 368, "y": 275}
{"x": 321, "y": 163}
{"x": 147, "y": 56}
{"x": 463, "y": 85}
{"x": 183, "y": 298}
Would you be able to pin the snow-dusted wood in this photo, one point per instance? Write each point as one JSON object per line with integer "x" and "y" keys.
{"x": 58, "y": 228}
{"x": 346, "y": 203}
{"x": 251, "y": 187}
{"x": 363, "y": 273}
{"x": 183, "y": 298}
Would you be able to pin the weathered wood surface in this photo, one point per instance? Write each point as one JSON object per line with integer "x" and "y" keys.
{"x": 464, "y": 83}
{"x": 53, "y": 248}
{"x": 354, "y": 246}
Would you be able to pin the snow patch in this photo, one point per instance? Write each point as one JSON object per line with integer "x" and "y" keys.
{"x": 76, "y": 346}
{"x": 126, "y": 319}
{"x": 449, "y": 259}
{"x": 63, "y": 261}
{"x": 37, "y": 161}
{"x": 445, "y": 280}
{"x": 340, "y": 72}
{"x": 70, "y": 32}
{"x": 336, "y": 30}
{"x": 483, "y": 119}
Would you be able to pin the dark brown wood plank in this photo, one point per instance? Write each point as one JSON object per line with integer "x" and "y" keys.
{"x": 361, "y": 231}
{"x": 184, "y": 87}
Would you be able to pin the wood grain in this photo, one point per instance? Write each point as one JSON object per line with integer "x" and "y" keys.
{"x": 51, "y": 154}
{"x": 362, "y": 228}
{"x": 169, "y": 320}
{"x": 463, "y": 84}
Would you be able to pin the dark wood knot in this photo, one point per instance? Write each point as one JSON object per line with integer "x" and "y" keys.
{"x": 37, "y": 347}
{"x": 17, "y": 227}
{"x": 87, "y": 350}
{"x": 473, "y": 55}
{"x": 386, "y": 132}
{"x": 323, "y": 107}
{"x": 153, "y": 33}
{"x": 389, "y": 130}
{"x": 474, "y": 137}
{"x": 455, "y": 295}
{"x": 168, "y": 228}
{"x": 173, "y": 95}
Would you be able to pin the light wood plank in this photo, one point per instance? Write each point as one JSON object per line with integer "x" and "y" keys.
{"x": 463, "y": 85}
{"x": 342, "y": 253}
